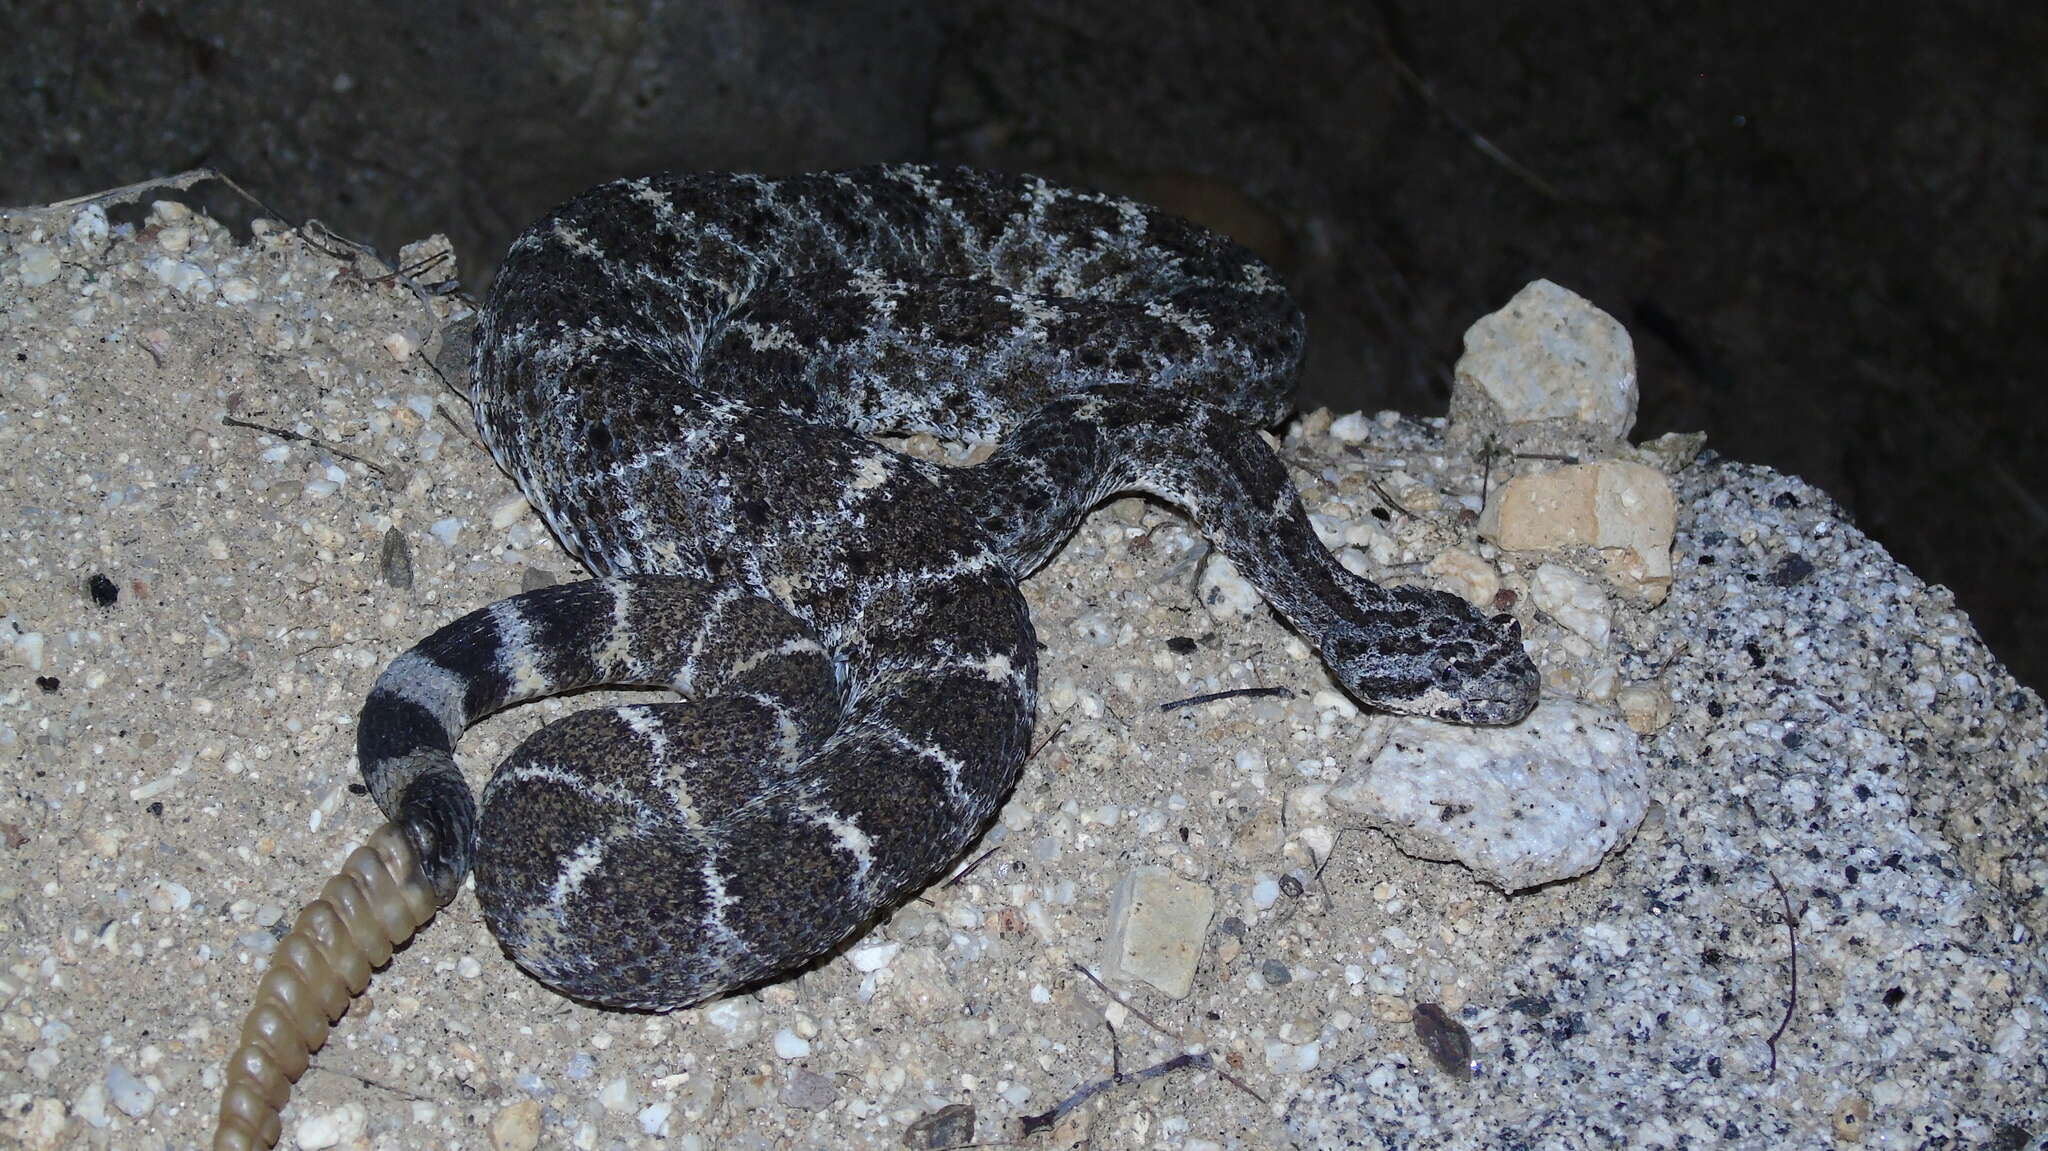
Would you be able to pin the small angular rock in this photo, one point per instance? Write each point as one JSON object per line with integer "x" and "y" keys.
{"x": 1156, "y": 925}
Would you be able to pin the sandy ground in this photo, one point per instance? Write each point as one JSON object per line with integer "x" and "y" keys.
{"x": 209, "y": 446}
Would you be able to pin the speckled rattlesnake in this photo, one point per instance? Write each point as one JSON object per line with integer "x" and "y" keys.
{"x": 683, "y": 373}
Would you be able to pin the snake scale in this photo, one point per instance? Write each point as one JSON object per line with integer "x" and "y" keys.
{"x": 684, "y": 374}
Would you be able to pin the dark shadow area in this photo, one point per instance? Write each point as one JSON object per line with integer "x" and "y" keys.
{"x": 1823, "y": 224}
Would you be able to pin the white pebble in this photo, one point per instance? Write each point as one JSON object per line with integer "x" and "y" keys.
{"x": 180, "y": 276}
{"x": 873, "y": 957}
{"x": 166, "y": 896}
{"x": 446, "y": 530}
{"x": 331, "y": 1128}
{"x": 733, "y": 1016}
{"x": 91, "y": 1105}
{"x": 1574, "y": 601}
{"x": 89, "y": 227}
{"x": 654, "y": 1118}
{"x": 39, "y": 265}
{"x": 790, "y": 1045}
{"x": 1096, "y": 628}
{"x": 509, "y": 512}
{"x": 618, "y": 1097}
{"x": 131, "y": 1095}
{"x": 30, "y": 645}
{"x": 1350, "y": 428}
{"x": 1265, "y": 892}
{"x": 1226, "y": 594}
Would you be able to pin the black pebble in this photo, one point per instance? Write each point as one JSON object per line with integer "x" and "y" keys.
{"x": 1791, "y": 570}
{"x": 395, "y": 561}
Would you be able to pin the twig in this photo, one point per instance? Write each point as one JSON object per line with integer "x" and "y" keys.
{"x": 129, "y": 193}
{"x": 317, "y": 234}
{"x": 1154, "y": 1024}
{"x": 1233, "y": 693}
{"x": 1485, "y": 146}
{"x": 467, "y": 432}
{"x": 1036, "y": 1123}
{"x": 1792, "y": 989}
{"x": 1234, "y": 1081}
{"x": 369, "y": 1082}
{"x": 1056, "y": 733}
{"x": 316, "y": 441}
{"x": 1387, "y": 497}
{"x": 968, "y": 870}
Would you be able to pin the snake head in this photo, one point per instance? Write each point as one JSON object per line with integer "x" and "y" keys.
{"x": 1422, "y": 652}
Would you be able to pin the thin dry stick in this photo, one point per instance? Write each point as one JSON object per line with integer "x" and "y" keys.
{"x": 1036, "y": 1123}
{"x": 467, "y": 432}
{"x": 1486, "y": 147}
{"x": 316, "y": 441}
{"x": 1233, "y": 693}
{"x": 1056, "y": 733}
{"x": 1792, "y": 990}
{"x": 968, "y": 870}
{"x": 129, "y": 193}
{"x": 371, "y": 1083}
{"x": 1387, "y": 497}
{"x": 1125, "y": 1004}
{"x": 317, "y": 234}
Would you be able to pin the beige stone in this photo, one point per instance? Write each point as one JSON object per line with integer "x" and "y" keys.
{"x": 1645, "y": 707}
{"x": 516, "y": 1128}
{"x": 1625, "y": 511}
{"x": 1466, "y": 574}
{"x": 1157, "y": 922}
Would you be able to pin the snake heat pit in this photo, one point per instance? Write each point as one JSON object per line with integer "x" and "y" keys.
{"x": 683, "y": 374}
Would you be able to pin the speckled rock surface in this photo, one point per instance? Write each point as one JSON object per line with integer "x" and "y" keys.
{"x": 1542, "y": 801}
{"x": 176, "y": 737}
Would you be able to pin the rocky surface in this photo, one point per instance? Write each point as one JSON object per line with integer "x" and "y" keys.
{"x": 222, "y": 458}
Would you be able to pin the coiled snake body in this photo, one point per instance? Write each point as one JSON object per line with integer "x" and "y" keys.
{"x": 683, "y": 374}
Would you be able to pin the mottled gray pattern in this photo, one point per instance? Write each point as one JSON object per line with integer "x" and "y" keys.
{"x": 682, "y": 373}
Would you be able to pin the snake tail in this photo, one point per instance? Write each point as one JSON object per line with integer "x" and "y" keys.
{"x": 380, "y": 898}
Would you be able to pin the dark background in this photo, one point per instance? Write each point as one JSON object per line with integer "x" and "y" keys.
{"x": 1823, "y": 224}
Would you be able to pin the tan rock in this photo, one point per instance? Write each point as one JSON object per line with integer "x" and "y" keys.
{"x": 1472, "y": 578}
{"x": 1157, "y": 922}
{"x": 1624, "y": 511}
{"x": 517, "y": 1127}
{"x": 1645, "y": 707}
